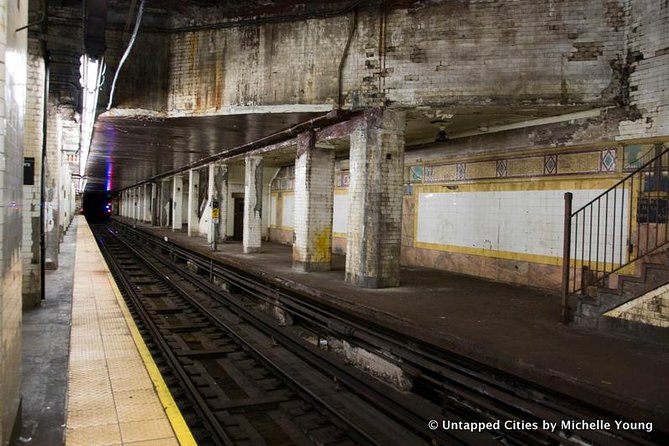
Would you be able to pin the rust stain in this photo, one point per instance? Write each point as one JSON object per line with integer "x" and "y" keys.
{"x": 193, "y": 51}
{"x": 322, "y": 246}
{"x": 219, "y": 82}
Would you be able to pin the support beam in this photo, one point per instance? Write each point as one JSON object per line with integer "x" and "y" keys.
{"x": 252, "y": 234}
{"x": 193, "y": 194}
{"x": 375, "y": 200}
{"x": 177, "y": 202}
{"x": 314, "y": 197}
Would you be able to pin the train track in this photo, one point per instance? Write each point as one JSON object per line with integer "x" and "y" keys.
{"x": 189, "y": 294}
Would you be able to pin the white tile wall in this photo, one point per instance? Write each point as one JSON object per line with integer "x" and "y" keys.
{"x": 288, "y": 216}
{"x": 528, "y": 222}
{"x": 340, "y": 214}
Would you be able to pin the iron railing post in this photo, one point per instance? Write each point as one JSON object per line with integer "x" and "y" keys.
{"x": 566, "y": 255}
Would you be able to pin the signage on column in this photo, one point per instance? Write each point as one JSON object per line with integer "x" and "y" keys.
{"x": 28, "y": 171}
{"x": 215, "y": 211}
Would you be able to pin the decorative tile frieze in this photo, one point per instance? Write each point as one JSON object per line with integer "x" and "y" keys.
{"x": 608, "y": 160}
{"x": 502, "y": 168}
{"x": 550, "y": 164}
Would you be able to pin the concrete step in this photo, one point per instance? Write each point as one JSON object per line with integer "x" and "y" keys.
{"x": 591, "y": 308}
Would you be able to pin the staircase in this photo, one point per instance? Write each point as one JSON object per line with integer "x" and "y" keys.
{"x": 617, "y": 252}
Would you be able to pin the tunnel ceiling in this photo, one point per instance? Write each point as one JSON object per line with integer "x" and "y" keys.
{"x": 128, "y": 150}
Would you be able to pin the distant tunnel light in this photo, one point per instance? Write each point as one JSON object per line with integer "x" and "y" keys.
{"x": 91, "y": 71}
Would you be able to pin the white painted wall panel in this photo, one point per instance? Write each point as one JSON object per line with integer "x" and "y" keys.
{"x": 528, "y": 222}
{"x": 340, "y": 214}
{"x": 288, "y": 211}
{"x": 272, "y": 210}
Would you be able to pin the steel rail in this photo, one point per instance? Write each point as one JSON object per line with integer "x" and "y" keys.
{"x": 298, "y": 387}
{"x": 428, "y": 358}
{"x": 213, "y": 425}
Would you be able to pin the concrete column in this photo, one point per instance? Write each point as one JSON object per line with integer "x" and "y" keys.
{"x": 375, "y": 200}
{"x": 314, "y": 197}
{"x": 193, "y": 196}
{"x": 135, "y": 203}
{"x": 177, "y": 201}
{"x": 252, "y": 234}
{"x": 139, "y": 199}
{"x": 33, "y": 139}
{"x": 52, "y": 213}
{"x": 164, "y": 203}
{"x": 155, "y": 216}
{"x": 221, "y": 194}
{"x": 217, "y": 190}
{"x": 124, "y": 203}
{"x": 146, "y": 215}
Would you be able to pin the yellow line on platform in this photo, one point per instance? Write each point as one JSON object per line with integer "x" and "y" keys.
{"x": 181, "y": 429}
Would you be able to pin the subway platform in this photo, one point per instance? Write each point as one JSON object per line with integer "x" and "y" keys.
{"x": 513, "y": 328}
{"x": 108, "y": 391}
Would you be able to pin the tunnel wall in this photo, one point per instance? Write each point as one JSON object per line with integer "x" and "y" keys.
{"x": 464, "y": 53}
{"x": 13, "y": 62}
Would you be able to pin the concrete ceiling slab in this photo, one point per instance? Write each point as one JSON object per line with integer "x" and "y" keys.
{"x": 126, "y": 151}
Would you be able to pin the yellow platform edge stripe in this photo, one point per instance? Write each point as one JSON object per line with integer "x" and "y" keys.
{"x": 179, "y": 426}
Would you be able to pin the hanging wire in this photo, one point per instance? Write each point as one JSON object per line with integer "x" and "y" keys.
{"x": 127, "y": 52}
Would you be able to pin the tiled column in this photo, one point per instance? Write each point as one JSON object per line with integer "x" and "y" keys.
{"x": 193, "y": 196}
{"x": 221, "y": 194}
{"x": 147, "y": 203}
{"x": 140, "y": 202}
{"x": 177, "y": 201}
{"x": 314, "y": 196}
{"x": 217, "y": 192}
{"x": 164, "y": 203}
{"x": 135, "y": 203}
{"x": 252, "y": 234}
{"x": 210, "y": 198}
{"x": 131, "y": 203}
{"x": 52, "y": 212}
{"x": 155, "y": 216}
{"x": 375, "y": 200}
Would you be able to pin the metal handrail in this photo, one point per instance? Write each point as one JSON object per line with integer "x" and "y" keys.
{"x": 623, "y": 224}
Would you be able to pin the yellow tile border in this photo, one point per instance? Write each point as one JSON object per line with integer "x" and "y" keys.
{"x": 179, "y": 426}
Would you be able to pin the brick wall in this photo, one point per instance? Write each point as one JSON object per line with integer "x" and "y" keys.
{"x": 447, "y": 53}
{"x": 488, "y": 52}
{"x": 648, "y": 56}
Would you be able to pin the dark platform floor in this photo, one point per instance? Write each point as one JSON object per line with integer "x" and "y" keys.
{"x": 514, "y": 328}
{"x": 46, "y": 344}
